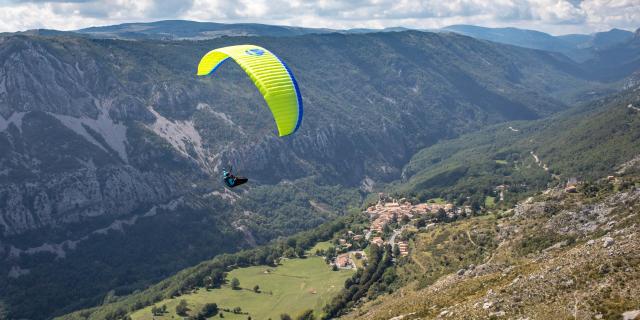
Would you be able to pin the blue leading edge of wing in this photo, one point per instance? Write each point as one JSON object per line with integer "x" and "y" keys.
{"x": 298, "y": 96}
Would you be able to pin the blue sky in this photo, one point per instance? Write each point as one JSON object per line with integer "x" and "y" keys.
{"x": 553, "y": 16}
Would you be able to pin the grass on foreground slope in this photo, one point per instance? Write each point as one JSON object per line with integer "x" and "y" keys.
{"x": 293, "y": 287}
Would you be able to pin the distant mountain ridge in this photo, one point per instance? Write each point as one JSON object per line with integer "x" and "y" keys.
{"x": 184, "y": 29}
{"x": 617, "y": 61}
{"x": 579, "y": 47}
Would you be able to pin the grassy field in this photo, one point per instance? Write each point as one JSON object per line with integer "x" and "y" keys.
{"x": 293, "y": 287}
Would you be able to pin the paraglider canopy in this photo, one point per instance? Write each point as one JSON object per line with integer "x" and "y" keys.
{"x": 273, "y": 78}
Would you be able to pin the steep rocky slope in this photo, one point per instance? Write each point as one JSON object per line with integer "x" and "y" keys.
{"x": 556, "y": 255}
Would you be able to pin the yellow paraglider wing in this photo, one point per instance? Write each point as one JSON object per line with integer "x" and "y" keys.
{"x": 272, "y": 77}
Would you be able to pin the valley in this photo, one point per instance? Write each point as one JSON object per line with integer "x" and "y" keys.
{"x": 523, "y": 248}
{"x": 427, "y": 147}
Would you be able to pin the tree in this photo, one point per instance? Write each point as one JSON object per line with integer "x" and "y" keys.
{"x": 386, "y": 230}
{"x": 158, "y": 311}
{"x": 256, "y": 288}
{"x": 237, "y": 310}
{"x": 235, "y": 284}
{"x": 331, "y": 252}
{"x": 396, "y": 250}
{"x": 182, "y": 308}
{"x": 307, "y": 315}
{"x": 290, "y": 253}
{"x": 300, "y": 252}
{"x": 209, "y": 309}
{"x": 285, "y": 316}
{"x": 334, "y": 268}
{"x": 208, "y": 282}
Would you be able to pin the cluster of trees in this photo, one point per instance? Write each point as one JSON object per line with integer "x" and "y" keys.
{"x": 119, "y": 314}
{"x": 158, "y": 311}
{"x": 235, "y": 284}
{"x": 306, "y": 315}
{"x": 367, "y": 282}
{"x": 182, "y": 309}
{"x": 235, "y": 310}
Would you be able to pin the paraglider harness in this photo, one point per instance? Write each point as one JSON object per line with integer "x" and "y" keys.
{"x": 230, "y": 180}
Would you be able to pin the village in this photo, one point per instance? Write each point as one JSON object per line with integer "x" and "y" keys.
{"x": 388, "y": 219}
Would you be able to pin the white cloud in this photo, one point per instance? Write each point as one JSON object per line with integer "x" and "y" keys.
{"x": 555, "y": 16}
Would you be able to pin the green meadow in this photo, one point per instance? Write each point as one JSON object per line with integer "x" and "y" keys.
{"x": 292, "y": 287}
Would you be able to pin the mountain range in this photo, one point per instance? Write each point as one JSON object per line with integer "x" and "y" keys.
{"x": 580, "y": 47}
{"x": 112, "y": 148}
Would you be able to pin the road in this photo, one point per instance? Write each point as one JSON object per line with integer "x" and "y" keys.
{"x": 392, "y": 239}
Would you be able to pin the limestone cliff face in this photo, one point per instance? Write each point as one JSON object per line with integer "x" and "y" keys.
{"x": 82, "y": 194}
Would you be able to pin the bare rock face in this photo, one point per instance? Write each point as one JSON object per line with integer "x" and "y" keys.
{"x": 631, "y": 315}
{"x": 607, "y": 242}
{"x": 67, "y": 198}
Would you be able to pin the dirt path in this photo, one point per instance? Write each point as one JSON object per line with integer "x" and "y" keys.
{"x": 539, "y": 162}
{"x": 469, "y": 236}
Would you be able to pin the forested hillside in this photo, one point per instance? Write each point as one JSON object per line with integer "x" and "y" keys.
{"x": 585, "y": 142}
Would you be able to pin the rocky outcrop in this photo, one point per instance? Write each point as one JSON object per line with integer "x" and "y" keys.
{"x": 72, "y": 197}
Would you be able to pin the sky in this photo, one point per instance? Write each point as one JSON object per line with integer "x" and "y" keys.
{"x": 552, "y": 16}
